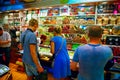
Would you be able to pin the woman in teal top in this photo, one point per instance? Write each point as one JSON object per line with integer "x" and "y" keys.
{"x": 61, "y": 68}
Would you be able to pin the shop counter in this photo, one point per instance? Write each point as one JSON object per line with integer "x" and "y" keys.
{"x": 46, "y": 62}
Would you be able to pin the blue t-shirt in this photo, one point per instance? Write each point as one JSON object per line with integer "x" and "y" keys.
{"x": 58, "y": 41}
{"x": 28, "y": 37}
{"x": 92, "y": 59}
{"x": 61, "y": 67}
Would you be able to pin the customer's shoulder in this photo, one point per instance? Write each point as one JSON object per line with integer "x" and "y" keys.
{"x": 105, "y": 46}
{"x": 82, "y": 46}
{"x": 98, "y": 46}
{"x": 5, "y": 32}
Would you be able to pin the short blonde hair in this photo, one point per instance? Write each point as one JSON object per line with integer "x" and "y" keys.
{"x": 33, "y": 22}
{"x": 58, "y": 29}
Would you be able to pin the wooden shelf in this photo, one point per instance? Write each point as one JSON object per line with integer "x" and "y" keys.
{"x": 107, "y": 14}
{"x": 66, "y": 24}
{"x": 68, "y": 15}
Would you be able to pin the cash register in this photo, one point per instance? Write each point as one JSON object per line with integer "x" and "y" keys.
{"x": 3, "y": 69}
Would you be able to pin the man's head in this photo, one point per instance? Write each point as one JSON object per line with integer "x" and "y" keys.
{"x": 1, "y": 31}
{"x": 95, "y": 31}
{"x": 33, "y": 23}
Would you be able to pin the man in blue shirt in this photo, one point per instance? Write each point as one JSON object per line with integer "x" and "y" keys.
{"x": 30, "y": 51}
{"x": 92, "y": 57}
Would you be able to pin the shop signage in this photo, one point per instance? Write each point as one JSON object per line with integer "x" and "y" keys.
{"x": 42, "y": 3}
{"x": 64, "y": 1}
{"x": 28, "y": 0}
{"x": 83, "y": 1}
{"x": 11, "y": 7}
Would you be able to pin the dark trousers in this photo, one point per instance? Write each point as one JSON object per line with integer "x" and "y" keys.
{"x": 6, "y": 53}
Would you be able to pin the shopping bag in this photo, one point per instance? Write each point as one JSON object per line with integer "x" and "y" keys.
{"x": 52, "y": 64}
{"x": 109, "y": 64}
{"x": 41, "y": 76}
{"x": 9, "y": 76}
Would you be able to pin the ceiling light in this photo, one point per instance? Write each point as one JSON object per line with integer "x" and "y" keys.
{"x": 49, "y": 7}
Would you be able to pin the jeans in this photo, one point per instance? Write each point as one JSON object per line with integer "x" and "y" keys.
{"x": 6, "y": 52}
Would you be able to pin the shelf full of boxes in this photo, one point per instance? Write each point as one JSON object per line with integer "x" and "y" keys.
{"x": 73, "y": 18}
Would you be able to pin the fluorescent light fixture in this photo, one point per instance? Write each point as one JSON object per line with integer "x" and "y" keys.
{"x": 7, "y": 11}
{"x": 37, "y": 8}
{"x": 16, "y": 10}
{"x": 26, "y": 9}
{"x": 49, "y": 7}
{"x": 82, "y": 4}
{"x": 104, "y": 2}
{"x": 65, "y": 6}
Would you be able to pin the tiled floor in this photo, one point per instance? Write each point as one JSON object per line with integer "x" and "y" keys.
{"x": 19, "y": 75}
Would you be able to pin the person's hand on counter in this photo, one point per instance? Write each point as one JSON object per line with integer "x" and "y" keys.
{"x": 74, "y": 66}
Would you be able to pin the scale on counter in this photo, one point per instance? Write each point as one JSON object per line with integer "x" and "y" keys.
{"x": 3, "y": 69}
{"x": 113, "y": 40}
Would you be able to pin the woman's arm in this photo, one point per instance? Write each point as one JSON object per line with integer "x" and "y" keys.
{"x": 52, "y": 44}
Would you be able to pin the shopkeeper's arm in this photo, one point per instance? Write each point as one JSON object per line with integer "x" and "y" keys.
{"x": 4, "y": 42}
{"x": 35, "y": 58}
